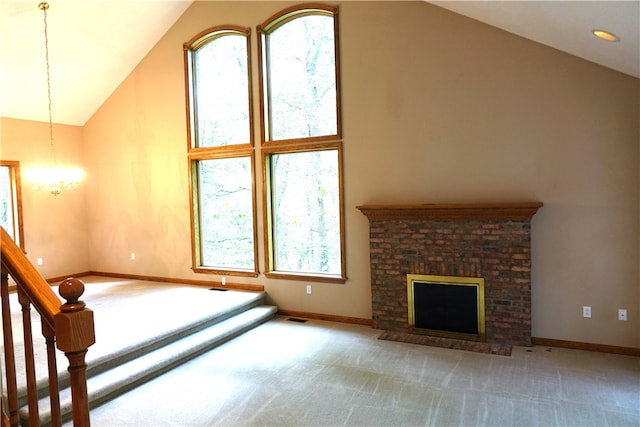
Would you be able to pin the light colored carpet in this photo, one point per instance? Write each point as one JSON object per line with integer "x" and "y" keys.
{"x": 129, "y": 312}
{"x": 143, "y": 328}
{"x": 319, "y": 373}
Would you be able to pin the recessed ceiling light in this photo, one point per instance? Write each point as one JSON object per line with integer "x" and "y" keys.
{"x": 605, "y": 35}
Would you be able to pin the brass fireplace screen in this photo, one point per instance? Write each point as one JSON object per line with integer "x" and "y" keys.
{"x": 446, "y": 306}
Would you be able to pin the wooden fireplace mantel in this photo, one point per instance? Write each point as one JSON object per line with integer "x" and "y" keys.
{"x": 452, "y": 212}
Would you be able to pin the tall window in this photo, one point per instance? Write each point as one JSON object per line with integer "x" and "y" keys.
{"x": 221, "y": 152}
{"x": 11, "y": 201}
{"x": 300, "y": 147}
{"x": 301, "y": 144}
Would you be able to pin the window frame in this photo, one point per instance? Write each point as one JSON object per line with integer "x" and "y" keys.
{"x": 196, "y": 236}
{"x": 273, "y": 23}
{"x": 269, "y": 238}
{"x": 195, "y": 154}
{"x": 271, "y": 147}
{"x": 189, "y": 48}
{"x": 16, "y": 200}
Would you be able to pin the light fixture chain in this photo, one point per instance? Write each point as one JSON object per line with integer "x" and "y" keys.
{"x": 53, "y": 179}
{"x": 44, "y": 6}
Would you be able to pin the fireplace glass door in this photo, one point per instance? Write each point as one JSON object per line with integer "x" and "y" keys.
{"x": 446, "y": 306}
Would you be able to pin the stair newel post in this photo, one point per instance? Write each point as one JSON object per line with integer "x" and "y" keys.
{"x": 30, "y": 365}
{"x": 75, "y": 333}
{"x": 9, "y": 352}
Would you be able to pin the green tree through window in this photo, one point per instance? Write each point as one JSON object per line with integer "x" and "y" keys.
{"x": 226, "y": 212}
{"x": 306, "y": 212}
{"x": 302, "y": 79}
{"x": 222, "y": 101}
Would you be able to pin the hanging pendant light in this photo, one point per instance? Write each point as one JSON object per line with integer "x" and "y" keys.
{"x": 53, "y": 179}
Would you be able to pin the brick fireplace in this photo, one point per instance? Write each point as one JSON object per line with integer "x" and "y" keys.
{"x": 492, "y": 241}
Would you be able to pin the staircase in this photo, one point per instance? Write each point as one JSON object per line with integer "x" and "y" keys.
{"x": 143, "y": 331}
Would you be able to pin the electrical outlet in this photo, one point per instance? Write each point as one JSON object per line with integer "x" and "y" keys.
{"x": 40, "y": 261}
{"x": 622, "y": 314}
{"x": 223, "y": 281}
{"x": 586, "y": 311}
{"x": 308, "y": 289}
{"x": 133, "y": 256}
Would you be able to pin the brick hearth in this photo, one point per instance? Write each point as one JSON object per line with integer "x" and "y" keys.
{"x": 492, "y": 241}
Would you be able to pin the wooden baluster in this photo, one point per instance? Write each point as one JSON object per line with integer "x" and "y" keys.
{"x": 75, "y": 333}
{"x": 52, "y": 365}
{"x": 9, "y": 355}
{"x": 29, "y": 360}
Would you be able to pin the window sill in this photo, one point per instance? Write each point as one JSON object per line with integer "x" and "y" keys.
{"x": 306, "y": 277}
{"x": 220, "y": 272}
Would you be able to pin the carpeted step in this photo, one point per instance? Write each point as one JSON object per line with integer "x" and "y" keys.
{"x": 98, "y": 363}
{"x": 104, "y": 385}
{"x": 130, "y": 328}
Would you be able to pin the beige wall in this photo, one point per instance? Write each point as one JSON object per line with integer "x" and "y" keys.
{"x": 436, "y": 108}
{"x": 55, "y": 227}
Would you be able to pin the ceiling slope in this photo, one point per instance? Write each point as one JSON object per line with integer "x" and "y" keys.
{"x": 93, "y": 46}
{"x": 566, "y": 26}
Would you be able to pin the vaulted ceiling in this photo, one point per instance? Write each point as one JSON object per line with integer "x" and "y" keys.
{"x": 95, "y": 44}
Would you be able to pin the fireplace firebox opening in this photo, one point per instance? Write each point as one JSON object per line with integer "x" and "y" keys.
{"x": 446, "y": 306}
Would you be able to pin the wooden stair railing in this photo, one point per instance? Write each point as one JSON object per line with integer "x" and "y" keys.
{"x": 68, "y": 326}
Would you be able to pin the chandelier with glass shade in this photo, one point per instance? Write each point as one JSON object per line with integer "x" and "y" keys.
{"x": 53, "y": 179}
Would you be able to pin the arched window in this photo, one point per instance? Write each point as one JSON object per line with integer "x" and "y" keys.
{"x": 220, "y": 151}
{"x": 300, "y": 147}
{"x": 301, "y": 144}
